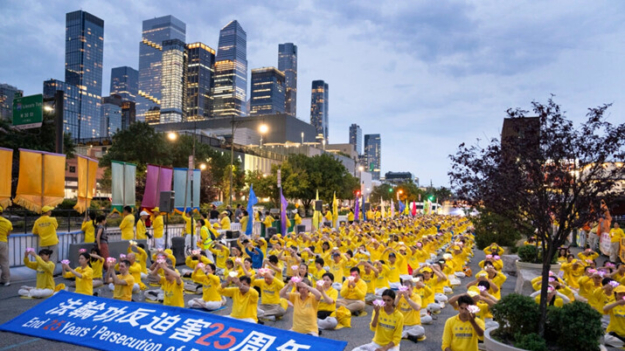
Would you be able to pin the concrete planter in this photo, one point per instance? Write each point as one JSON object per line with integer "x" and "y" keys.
{"x": 555, "y": 268}
{"x": 491, "y": 344}
{"x": 525, "y": 272}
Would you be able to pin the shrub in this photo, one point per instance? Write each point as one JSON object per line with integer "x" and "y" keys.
{"x": 569, "y": 320}
{"x": 528, "y": 253}
{"x": 516, "y": 314}
{"x": 530, "y": 342}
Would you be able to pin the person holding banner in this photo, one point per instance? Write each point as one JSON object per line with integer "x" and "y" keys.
{"x": 45, "y": 226}
{"x": 387, "y": 323}
{"x": 5, "y": 231}
{"x": 157, "y": 224}
{"x": 123, "y": 282}
{"x": 127, "y": 225}
{"x": 305, "y": 302}
{"x": 244, "y": 298}
{"x": 83, "y": 274}
{"x": 45, "y": 270}
{"x": 211, "y": 299}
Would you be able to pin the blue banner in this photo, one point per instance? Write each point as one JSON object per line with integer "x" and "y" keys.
{"x": 250, "y": 210}
{"x": 108, "y": 324}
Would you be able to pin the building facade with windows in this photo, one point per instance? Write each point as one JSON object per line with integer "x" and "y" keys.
{"x": 199, "y": 81}
{"x": 287, "y": 63}
{"x": 125, "y": 83}
{"x": 355, "y": 138}
{"x": 7, "y": 94}
{"x": 71, "y": 104}
{"x": 230, "y": 91}
{"x": 173, "y": 81}
{"x": 373, "y": 152}
{"x": 268, "y": 91}
{"x": 319, "y": 109}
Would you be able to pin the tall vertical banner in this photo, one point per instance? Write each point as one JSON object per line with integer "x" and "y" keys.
{"x": 382, "y": 209}
{"x": 158, "y": 179}
{"x": 357, "y": 209}
{"x": 414, "y": 209}
{"x": 316, "y": 214}
{"x": 335, "y": 211}
{"x": 182, "y": 188}
{"x": 87, "y": 169}
{"x": 6, "y": 170}
{"x": 251, "y": 201}
{"x": 123, "y": 185}
{"x": 392, "y": 209}
{"x": 41, "y": 180}
{"x": 283, "y": 205}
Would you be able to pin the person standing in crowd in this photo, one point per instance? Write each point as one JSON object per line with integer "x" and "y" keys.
{"x": 83, "y": 274}
{"x": 88, "y": 227}
{"x": 5, "y": 230}
{"x": 238, "y": 213}
{"x": 244, "y": 298}
{"x": 123, "y": 282}
{"x": 45, "y": 270}
{"x": 463, "y": 331}
{"x": 616, "y": 234}
{"x": 229, "y": 212}
{"x": 45, "y": 226}
{"x": 101, "y": 237}
{"x": 159, "y": 228}
{"x": 214, "y": 214}
{"x": 189, "y": 228}
{"x": 615, "y": 333}
{"x": 387, "y": 323}
{"x": 142, "y": 231}
{"x": 127, "y": 225}
{"x": 224, "y": 222}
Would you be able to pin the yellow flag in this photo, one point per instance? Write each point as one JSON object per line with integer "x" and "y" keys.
{"x": 6, "y": 168}
{"x": 87, "y": 169}
{"x": 41, "y": 180}
{"x": 335, "y": 211}
{"x": 316, "y": 214}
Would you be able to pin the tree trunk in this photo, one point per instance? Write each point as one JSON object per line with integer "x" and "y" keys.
{"x": 543, "y": 288}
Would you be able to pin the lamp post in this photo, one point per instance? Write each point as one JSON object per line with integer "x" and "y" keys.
{"x": 262, "y": 129}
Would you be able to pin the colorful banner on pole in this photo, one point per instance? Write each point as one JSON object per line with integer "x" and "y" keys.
{"x": 158, "y": 179}
{"x": 6, "y": 175}
{"x": 107, "y": 324}
{"x": 87, "y": 170}
{"x": 182, "y": 183}
{"x": 283, "y": 205}
{"x": 252, "y": 200}
{"x": 335, "y": 211}
{"x": 357, "y": 209}
{"x": 123, "y": 185}
{"x": 41, "y": 180}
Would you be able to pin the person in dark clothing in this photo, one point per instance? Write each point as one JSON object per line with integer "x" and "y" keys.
{"x": 214, "y": 214}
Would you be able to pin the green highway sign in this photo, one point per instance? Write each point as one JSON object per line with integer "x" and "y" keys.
{"x": 28, "y": 112}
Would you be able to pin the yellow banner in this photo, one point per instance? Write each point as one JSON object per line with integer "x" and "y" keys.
{"x": 41, "y": 180}
{"x": 6, "y": 168}
{"x": 87, "y": 169}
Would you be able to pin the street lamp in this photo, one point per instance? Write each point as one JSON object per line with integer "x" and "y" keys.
{"x": 172, "y": 136}
{"x": 203, "y": 166}
{"x": 399, "y": 193}
{"x": 262, "y": 129}
{"x": 302, "y": 138}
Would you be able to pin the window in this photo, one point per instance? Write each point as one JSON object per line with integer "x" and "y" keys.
{"x": 72, "y": 169}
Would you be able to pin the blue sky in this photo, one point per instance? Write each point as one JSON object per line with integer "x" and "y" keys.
{"x": 426, "y": 75}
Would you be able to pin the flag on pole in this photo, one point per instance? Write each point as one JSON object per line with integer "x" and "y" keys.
{"x": 382, "y": 209}
{"x": 87, "y": 169}
{"x": 401, "y": 207}
{"x": 283, "y": 205}
{"x": 364, "y": 213}
{"x": 6, "y": 170}
{"x": 414, "y": 209}
{"x": 357, "y": 209}
{"x": 251, "y": 201}
{"x": 406, "y": 210}
{"x": 123, "y": 185}
{"x": 158, "y": 179}
{"x": 335, "y": 211}
{"x": 392, "y": 209}
{"x": 315, "y": 219}
{"x": 41, "y": 180}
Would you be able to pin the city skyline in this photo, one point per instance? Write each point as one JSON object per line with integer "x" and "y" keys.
{"x": 445, "y": 73}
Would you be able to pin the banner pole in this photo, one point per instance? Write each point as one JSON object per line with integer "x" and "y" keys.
{"x": 43, "y": 182}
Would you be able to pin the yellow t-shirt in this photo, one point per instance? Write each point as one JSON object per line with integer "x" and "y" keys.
{"x": 5, "y": 228}
{"x": 426, "y": 294}
{"x": 369, "y": 279}
{"x": 172, "y": 292}
{"x": 210, "y": 286}
{"x": 599, "y": 299}
{"x": 270, "y": 294}
{"x": 460, "y": 336}
{"x": 411, "y": 317}
{"x": 221, "y": 256}
{"x": 617, "y": 320}
{"x": 45, "y": 280}
{"x": 141, "y": 230}
{"x": 84, "y": 285}
{"x": 557, "y": 303}
{"x": 45, "y": 227}
{"x": 97, "y": 266}
{"x": 124, "y": 292}
{"x": 389, "y": 327}
{"x": 88, "y": 228}
{"x": 157, "y": 224}
{"x": 243, "y": 306}
{"x": 358, "y": 292}
{"x": 304, "y": 313}
{"x": 141, "y": 257}
{"x": 188, "y": 227}
{"x": 225, "y": 223}
{"x": 381, "y": 281}
{"x": 334, "y": 295}
{"x": 337, "y": 269}
{"x": 127, "y": 227}
{"x": 616, "y": 235}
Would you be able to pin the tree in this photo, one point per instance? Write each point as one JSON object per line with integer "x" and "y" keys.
{"x": 139, "y": 144}
{"x": 382, "y": 192}
{"x": 547, "y": 174}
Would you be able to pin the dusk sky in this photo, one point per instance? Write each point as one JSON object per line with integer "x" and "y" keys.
{"x": 426, "y": 75}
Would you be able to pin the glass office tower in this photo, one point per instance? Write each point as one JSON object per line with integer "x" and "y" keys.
{"x": 373, "y": 151}
{"x": 71, "y": 103}
{"x": 268, "y": 91}
{"x": 230, "y": 92}
{"x": 199, "y": 81}
{"x": 287, "y": 63}
{"x": 319, "y": 109}
{"x": 172, "y": 81}
{"x": 125, "y": 82}
{"x": 355, "y": 138}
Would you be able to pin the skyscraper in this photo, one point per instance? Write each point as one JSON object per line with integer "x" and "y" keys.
{"x": 199, "y": 81}
{"x": 125, "y": 82}
{"x": 268, "y": 91}
{"x": 84, "y": 44}
{"x": 7, "y": 94}
{"x": 319, "y": 109}
{"x": 355, "y": 137}
{"x": 155, "y": 32}
{"x": 172, "y": 81}
{"x": 111, "y": 115}
{"x": 71, "y": 104}
{"x": 373, "y": 151}
{"x": 230, "y": 92}
{"x": 287, "y": 63}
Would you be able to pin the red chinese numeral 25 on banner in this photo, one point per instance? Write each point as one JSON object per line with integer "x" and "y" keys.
{"x": 226, "y": 335}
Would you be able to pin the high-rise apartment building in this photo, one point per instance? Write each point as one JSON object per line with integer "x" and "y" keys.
{"x": 7, "y": 94}
{"x": 111, "y": 115}
{"x": 287, "y": 63}
{"x": 129, "y": 113}
{"x": 355, "y": 138}
{"x": 268, "y": 91}
{"x": 172, "y": 81}
{"x": 84, "y": 54}
{"x": 199, "y": 81}
{"x": 125, "y": 82}
{"x": 71, "y": 103}
{"x": 230, "y": 91}
{"x": 373, "y": 151}
{"x": 319, "y": 109}
{"x": 155, "y": 32}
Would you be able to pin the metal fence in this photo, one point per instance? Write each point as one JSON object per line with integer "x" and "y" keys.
{"x": 23, "y": 220}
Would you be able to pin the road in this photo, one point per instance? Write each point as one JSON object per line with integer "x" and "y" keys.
{"x": 12, "y": 305}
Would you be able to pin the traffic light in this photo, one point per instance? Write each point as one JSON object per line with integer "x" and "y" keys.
{"x": 390, "y": 190}
{"x": 357, "y": 193}
{"x": 431, "y": 198}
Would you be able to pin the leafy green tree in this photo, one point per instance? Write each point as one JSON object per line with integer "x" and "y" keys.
{"x": 139, "y": 144}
